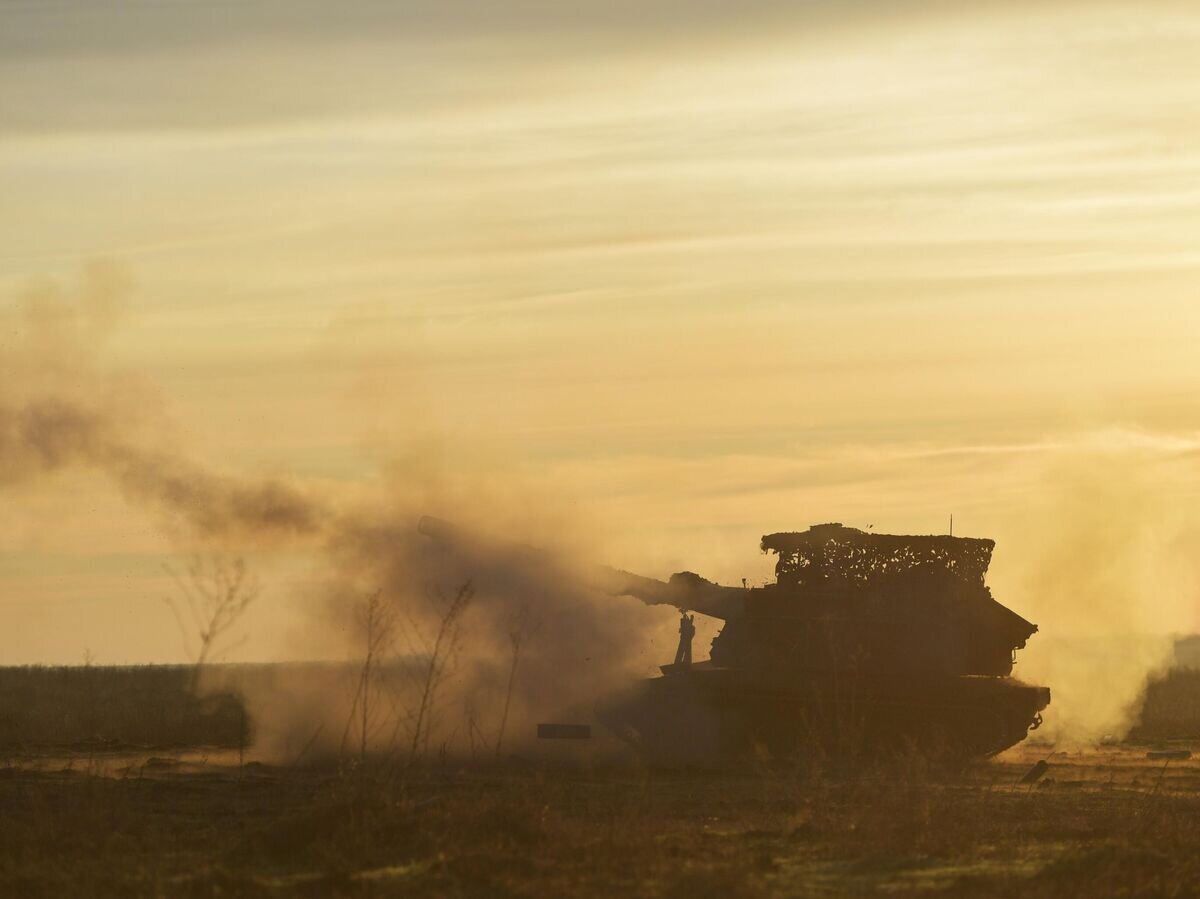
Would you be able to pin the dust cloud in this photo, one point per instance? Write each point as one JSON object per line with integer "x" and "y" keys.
{"x": 531, "y": 618}
{"x": 1111, "y": 581}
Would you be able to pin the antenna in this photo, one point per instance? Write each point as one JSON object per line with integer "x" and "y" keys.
{"x": 951, "y": 524}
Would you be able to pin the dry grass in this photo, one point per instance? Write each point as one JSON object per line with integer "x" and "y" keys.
{"x": 443, "y": 831}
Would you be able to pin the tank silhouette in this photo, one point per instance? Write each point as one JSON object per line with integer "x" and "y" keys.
{"x": 867, "y": 643}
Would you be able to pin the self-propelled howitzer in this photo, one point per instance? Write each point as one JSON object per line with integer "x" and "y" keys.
{"x": 865, "y": 643}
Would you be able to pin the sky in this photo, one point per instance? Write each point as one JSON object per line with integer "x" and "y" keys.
{"x": 660, "y": 277}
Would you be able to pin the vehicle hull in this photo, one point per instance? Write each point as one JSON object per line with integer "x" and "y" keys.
{"x": 708, "y": 715}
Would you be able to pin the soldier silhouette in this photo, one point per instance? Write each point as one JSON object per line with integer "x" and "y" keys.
{"x": 687, "y": 630}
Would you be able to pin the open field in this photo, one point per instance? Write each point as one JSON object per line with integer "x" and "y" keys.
{"x": 1100, "y": 824}
{"x": 80, "y": 818}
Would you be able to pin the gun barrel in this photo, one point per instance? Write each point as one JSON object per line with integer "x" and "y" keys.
{"x": 684, "y": 590}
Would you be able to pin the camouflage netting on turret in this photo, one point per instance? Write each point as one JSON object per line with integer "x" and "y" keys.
{"x": 831, "y": 555}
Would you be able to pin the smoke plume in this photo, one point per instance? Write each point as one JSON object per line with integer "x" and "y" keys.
{"x": 49, "y": 434}
{"x": 535, "y": 640}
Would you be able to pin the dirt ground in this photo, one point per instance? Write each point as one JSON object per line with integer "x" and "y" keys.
{"x": 1103, "y": 822}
